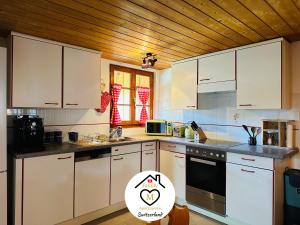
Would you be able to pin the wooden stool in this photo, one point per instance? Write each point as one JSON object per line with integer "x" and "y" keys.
{"x": 153, "y": 223}
{"x": 179, "y": 216}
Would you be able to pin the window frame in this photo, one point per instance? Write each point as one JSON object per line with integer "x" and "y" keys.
{"x": 133, "y": 96}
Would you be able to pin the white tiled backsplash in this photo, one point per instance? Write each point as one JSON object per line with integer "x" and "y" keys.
{"x": 219, "y": 118}
{"x": 86, "y": 122}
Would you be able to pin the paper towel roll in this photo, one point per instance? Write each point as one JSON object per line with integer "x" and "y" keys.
{"x": 290, "y": 136}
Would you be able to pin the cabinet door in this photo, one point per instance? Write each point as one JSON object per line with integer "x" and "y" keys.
{"x": 173, "y": 165}
{"x": 81, "y": 79}
{"x": 249, "y": 194}
{"x": 149, "y": 160}
{"x": 259, "y": 77}
{"x": 123, "y": 168}
{"x": 37, "y": 74}
{"x": 184, "y": 85}
{"x": 48, "y": 189}
{"x": 92, "y": 179}
{"x": 216, "y": 68}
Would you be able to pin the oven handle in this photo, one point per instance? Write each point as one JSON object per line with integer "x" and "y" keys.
{"x": 203, "y": 161}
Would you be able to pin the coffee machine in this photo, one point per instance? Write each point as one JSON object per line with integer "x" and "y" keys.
{"x": 28, "y": 132}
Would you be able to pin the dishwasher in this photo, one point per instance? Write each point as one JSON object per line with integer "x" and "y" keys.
{"x": 92, "y": 180}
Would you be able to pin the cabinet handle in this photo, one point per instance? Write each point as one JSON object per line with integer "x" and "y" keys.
{"x": 149, "y": 153}
{"x": 247, "y": 171}
{"x": 191, "y": 106}
{"x": 51, "y": 103}
{"x": 118, "y": 159}
{"x": 71, "y": 104}
{"x": 116, "y": 150}
{"x": 248, "y": 159}
{"x": 180, "y": 157}
{"x": 245, "y": 104}
{"x": 62, "y": 158}
{"x": 149, "y": 145}
{"x": 172, "y": 146}
{"x": 205, "y": 79}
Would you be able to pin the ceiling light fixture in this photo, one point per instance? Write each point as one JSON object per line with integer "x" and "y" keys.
{"x": 149, "y": 61}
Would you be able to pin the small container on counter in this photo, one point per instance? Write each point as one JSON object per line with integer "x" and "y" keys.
{"x": 73, "y": 136}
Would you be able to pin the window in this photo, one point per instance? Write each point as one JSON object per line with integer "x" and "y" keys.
{"x": 129, "y": 104}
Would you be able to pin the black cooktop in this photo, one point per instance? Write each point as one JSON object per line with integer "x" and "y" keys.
{"x": 215, "y": 142}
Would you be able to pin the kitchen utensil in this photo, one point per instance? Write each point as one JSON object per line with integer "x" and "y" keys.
{"x": 199, "y": 134}
{"x": 258, "y": 131}
{"x": 246, "y": 129}
{"x": 253, "y": 130}
{"x": 252, "y": 141}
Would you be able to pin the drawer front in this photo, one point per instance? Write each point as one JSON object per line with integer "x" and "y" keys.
{"x": 169, "y": 146}
{"x": 124, "y": 149}
{"x": 149, "y": 146}
{"x": 250, "y": 160}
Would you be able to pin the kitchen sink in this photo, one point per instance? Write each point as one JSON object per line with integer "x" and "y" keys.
{"x": 120, "y": 139}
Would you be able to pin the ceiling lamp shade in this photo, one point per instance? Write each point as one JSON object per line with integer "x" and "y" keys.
{"x": 149, "y": 61}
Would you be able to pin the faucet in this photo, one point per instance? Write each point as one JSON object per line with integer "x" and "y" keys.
{"x": 114, "y": 131}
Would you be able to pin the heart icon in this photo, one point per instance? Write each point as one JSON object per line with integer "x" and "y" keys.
{"x": 150, "y": 197}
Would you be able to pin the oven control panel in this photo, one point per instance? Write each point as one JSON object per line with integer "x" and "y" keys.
{"x": 206, "y": 153}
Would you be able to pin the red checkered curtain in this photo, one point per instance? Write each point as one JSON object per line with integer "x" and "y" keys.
{"x": 144, "y": 94}
{"x": 115, "y": 115}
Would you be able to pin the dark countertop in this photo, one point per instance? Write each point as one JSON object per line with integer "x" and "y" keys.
{"x": 52, "y": 149}
{"x": 240, "y": 148}
{"x": 264, "y": 151}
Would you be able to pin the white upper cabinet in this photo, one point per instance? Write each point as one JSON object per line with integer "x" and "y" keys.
{"x": 36, "y": 74}
{"x": 184, "y": 85}
{"x": 263, "y": 76}
{"x": 216, "y": 68}
{"x": 81, "y": 79}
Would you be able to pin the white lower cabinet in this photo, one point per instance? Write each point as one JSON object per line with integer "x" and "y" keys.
{"x": 48, "y": 189}
{"x": 92, "y": 179}
{"x": 249, "y": 194}
{"x": 173, "y": 165}
{"x": 123, "y": 168}
{"x": 149, "y": 160}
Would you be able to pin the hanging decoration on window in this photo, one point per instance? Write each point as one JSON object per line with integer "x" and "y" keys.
{"x": 115, "y": 115}
{"x": 104, "y": 99}
{"x": 144, "y": 94}
{"x": 149, "y": 61}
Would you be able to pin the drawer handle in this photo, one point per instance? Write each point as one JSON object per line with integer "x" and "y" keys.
{"x": 149, "y": 145}
{"x": 247, "y": 171}
{"x": 51, "y": 103}
{"x": 191, "y": 106}
{"x": 205, "y": 79}
{"x": 180, "y": 157}
{"x": 252, "y": 160}
{"x": 245, "y": 104}
{"x": 149, "y": 153}
{"x": 172, "y": 146}
{"x": 71, "y": 104}
{"x": 118, "y": 159}
{"x": 62, "y": 158}
{"x": 116, "y": 150}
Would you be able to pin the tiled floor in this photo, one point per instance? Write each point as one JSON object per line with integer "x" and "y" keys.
{"x": 125, "y": 218}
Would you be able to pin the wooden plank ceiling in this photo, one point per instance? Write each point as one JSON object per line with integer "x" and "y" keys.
{"x": 172, "y": 29}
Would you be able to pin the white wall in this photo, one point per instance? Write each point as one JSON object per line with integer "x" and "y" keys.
{"x": 219, "y": 116}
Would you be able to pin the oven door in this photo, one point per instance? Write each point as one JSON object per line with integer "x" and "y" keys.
{"x": 206, "y": 183}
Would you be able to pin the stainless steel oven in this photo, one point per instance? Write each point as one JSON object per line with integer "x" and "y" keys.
{"x": 206, "y": 178}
